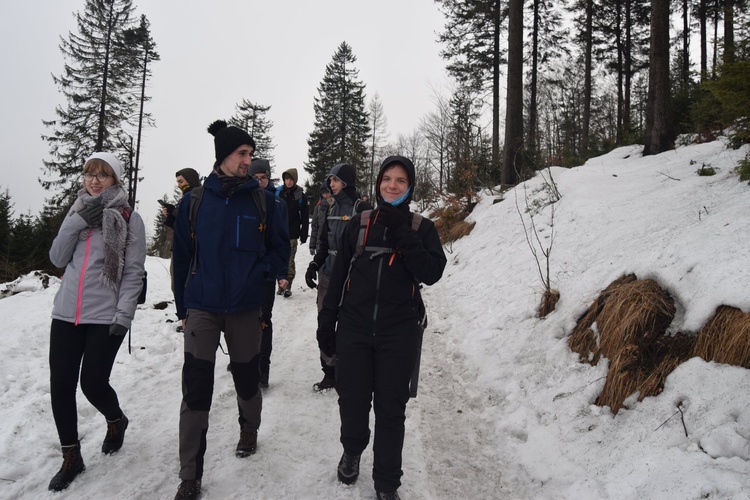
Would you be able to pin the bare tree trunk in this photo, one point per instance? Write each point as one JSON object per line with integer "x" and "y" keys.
{"x": 514, "y": 99}
{"x": 101, "y": 129}
{"x": 703, "y": 21}
{"x": 728, "y": 31}
{"x": 587, "y": 87}
{"x": 534, "y": 70}
{"x": 659, "y": 135}
{"x": 496, "y": 88}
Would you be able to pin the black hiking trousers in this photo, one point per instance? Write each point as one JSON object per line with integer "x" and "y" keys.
{"x": 91, "y": 350}
{"x": 266, "y": 313}
{"x": 375, "y": 368}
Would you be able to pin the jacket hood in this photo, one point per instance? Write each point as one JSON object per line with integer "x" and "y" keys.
{"x": 291, "y": 172}
{"x": 191, "y": 176}
{"x": 408, "y": 166}
{"x": 344, "y": 172}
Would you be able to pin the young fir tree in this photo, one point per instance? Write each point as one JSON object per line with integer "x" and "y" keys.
{"x": 252, "y": 117}
{"x": 98, "y": 82}
{"x": 378, "y": 125}
{"x": 341, "y": 130}
{"x": 6, "y": 226}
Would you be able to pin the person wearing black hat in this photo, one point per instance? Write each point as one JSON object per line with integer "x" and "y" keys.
{"x": 223, "y": 253}
{"x": 346, "y": 202}
{"x": 260, "y": 170}
{"x": 371, "y": 323}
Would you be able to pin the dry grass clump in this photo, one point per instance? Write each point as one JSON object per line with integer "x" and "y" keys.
{"x": 549, "y": 301}
{"x": 631, "y": 319}
{"x": 450, "y": 223}
{"x": 725, "y": 338}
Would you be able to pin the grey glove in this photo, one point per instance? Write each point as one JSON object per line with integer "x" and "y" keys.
{"x": 117, "y": 329}
{"x": 92, "y": 214}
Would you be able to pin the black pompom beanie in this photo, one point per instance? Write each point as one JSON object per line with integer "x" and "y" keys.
{"x": 410, "y": 171}
{"x": 227, "y": 139}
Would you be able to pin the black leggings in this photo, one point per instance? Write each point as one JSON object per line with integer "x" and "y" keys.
{"x": 69, "y": 345}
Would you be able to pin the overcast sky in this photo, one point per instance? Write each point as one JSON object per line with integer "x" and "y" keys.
{"x": 213, "y": 55}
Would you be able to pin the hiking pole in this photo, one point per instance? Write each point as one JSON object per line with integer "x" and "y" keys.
{"x": 414, "y": 381}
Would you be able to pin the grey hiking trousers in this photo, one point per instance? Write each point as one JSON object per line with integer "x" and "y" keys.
{"x": 203, "y": 329}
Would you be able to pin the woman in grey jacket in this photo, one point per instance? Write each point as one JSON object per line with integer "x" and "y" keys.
{"x": 102, "y": 246}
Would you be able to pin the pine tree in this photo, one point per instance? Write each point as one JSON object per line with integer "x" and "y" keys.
{"x": 252, "y": 117}
{"x": 513, "y": 146}
{"x": 659, "y": 127}
{"x": 142, "y": 48}
{"x": 476, "y": 51}
{"x": 341, "y": 128}
{"x": 98, "y": 83}
{"x": 6, "y": 225}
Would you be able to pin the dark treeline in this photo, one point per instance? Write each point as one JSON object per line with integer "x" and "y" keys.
{"x": 534, "y": 83}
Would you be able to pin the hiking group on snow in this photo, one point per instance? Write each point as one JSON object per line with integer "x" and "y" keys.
{"x": 234, "y": 242}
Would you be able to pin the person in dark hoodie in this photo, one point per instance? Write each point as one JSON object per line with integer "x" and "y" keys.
{"x": 371, "y": 323}
{"x": 346, "y": 202}
{"x": 299, "y": 221}
{"x": 260, "y": 170}
{"x": 222, "y": 258}
{"x": 319, "y": 214}
{"x": 187, "y": 179}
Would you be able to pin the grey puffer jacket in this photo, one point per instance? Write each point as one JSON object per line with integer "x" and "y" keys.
{"x": 82, "y": 297}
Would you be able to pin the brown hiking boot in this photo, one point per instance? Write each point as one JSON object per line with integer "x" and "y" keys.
{"x": 115, "y": 435}
{"x": 189, "y": 489}
{"x": 248, "y": 443}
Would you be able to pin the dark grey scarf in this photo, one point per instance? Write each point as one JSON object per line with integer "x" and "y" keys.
{"x": 115, "y": 230}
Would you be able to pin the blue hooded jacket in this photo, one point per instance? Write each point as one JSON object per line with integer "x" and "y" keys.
{"x": 234, "y": 256}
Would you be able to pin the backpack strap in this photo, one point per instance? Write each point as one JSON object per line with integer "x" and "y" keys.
{"x": 196, "y": 196}
{"x": 364, "y": 226}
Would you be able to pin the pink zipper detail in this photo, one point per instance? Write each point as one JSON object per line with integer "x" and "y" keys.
{"x": 79, "y": 301}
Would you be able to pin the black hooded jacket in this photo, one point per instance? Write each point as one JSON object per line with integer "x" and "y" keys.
{"x": 379, "y": 294}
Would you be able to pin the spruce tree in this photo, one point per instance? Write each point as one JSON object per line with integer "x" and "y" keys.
{"x": 98, "y": 83}
{"x": 341, "y": 129}
{"x": 252, "y": 118}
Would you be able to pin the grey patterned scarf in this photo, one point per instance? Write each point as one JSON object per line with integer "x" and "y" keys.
{"x": 115, "y": 230}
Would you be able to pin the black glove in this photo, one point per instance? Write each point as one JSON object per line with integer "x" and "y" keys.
{"x": 312, "y": 250}
{"x": 303, "y": 238}
{"x": 391, "y": 216}
{"x": 311, "y": 275}
{"x": 326, "y": 333}
{"x": 92, "y": 214}
{"x": 117, "y": 329}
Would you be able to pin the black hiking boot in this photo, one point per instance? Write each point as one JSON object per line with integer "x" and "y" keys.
{"x": 287, "y": 293}
{"x": 280, "y": 291}
{"x": 115, "y": 435}
{"x": 71, "y": 467}
{"x": 189, "y": 489}
{"x": 247, "y": 445}
{"x": 348, "y": 470}
{"x": 388, "y": 495}
{"x": 325, "y": 384}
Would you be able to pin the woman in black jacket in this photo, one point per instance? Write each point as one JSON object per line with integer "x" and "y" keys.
{"x": 371, "y": 321}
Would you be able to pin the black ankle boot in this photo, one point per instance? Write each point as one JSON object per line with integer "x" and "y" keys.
{"x": 115, "y": 435}
{"x": 71, "y": 467}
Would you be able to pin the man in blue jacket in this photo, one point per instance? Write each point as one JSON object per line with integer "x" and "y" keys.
{"x": 223, "y": 252}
